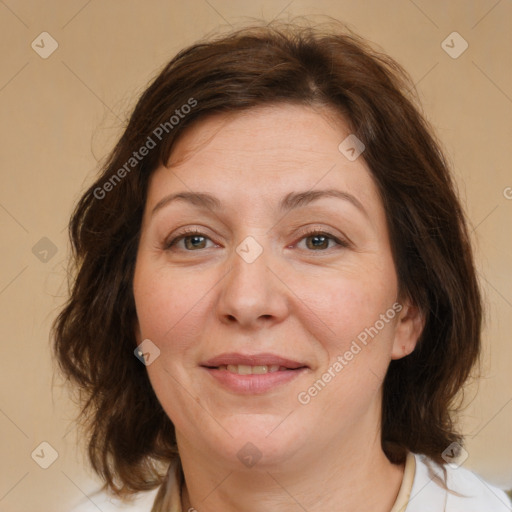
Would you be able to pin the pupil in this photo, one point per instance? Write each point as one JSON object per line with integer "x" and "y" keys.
{"x": 195, "y": 241}
{"x": 320, "y": 238}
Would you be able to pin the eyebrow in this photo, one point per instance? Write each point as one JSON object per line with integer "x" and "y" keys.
{"x": 291, "y": 201}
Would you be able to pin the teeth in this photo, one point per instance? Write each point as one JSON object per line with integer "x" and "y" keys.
{"x": 243, "y": 369}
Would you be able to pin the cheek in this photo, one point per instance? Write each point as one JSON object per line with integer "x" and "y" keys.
{"x": 357, "y": 345}
{"x": 344, "y": 305}
{"x": 168, "y": 304}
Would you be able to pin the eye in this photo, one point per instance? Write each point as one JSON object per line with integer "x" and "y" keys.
{"x": 319, "y": 240}
{"x": 193, "y": 239}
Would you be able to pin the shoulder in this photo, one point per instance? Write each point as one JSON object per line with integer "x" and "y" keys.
{"x": 105, "y": 502}
{"x": 147, "y": 501}
{"x": 453, "y": 489}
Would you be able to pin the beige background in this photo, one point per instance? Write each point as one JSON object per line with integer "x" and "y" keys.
{"x": 61, "y": 115}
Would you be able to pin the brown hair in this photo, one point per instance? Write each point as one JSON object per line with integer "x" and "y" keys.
{"x": 129, "y": 434}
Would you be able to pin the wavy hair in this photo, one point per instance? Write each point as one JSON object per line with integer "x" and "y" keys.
{"x": 130, "y": 438}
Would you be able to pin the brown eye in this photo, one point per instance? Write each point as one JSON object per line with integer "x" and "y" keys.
{"x": 193, "y": 239}
{"x": 319, "y": 241}
{"x": 194, "y": 242}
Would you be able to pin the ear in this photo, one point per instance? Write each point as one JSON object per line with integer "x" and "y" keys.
{"x": 408, "y": 328}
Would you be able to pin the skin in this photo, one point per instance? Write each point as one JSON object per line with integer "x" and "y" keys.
{"x": 197, "y": 300}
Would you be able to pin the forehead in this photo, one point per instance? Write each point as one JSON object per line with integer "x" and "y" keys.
{"x": 262, "y": 154}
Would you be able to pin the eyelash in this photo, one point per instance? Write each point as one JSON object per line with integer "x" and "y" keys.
{"x": 195, "y": 232}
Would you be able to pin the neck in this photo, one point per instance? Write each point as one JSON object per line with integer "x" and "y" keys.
{"x": 349, "y": 477}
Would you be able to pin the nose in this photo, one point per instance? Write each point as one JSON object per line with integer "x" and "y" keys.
{"x": 251, "y": 293}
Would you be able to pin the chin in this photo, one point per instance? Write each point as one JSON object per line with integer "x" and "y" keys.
{"x": 264, "y": 444}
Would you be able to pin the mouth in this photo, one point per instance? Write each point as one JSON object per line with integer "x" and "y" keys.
{"x": 246, "y": 364}
{"x": 253, "y": 374}
{"x": 245, "y": 369}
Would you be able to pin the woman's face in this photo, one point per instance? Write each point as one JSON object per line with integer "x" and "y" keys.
{"x": 276, "y": 273}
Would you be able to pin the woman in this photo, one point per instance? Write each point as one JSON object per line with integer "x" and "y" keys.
{"x": 275, "y": 304}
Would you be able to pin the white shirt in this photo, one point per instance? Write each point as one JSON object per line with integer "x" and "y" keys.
{"x": 426, "y": 487}
{"x": 444, "y": 488}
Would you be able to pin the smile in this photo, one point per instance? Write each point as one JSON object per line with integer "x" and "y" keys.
{"x": 244, "y": 369}
{"x": 252, "y": 373}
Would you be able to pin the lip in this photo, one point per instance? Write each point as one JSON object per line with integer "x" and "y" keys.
{"x": 253, "y": 383}
{"x": 252, "y": 360}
